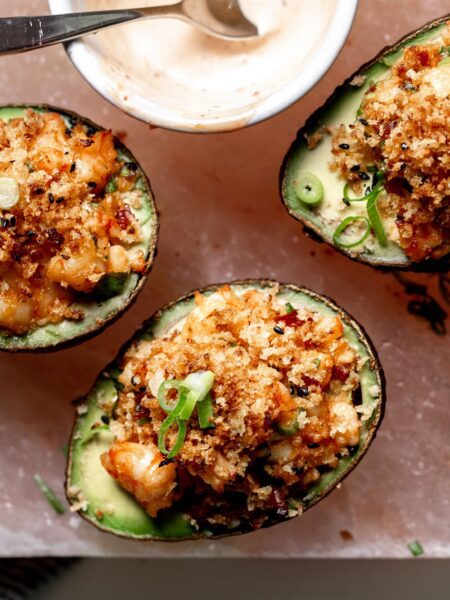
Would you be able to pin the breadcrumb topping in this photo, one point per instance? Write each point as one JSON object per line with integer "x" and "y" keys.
{"x": 403, "y": 130}
{"x": 282, "y": 401}
{"x": 70, "y": 226}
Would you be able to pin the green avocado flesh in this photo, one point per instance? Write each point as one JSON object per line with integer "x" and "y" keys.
{"x": 342, "y": 108}
{"x": 115, "y": 292}
{"x": 112, "y": 509}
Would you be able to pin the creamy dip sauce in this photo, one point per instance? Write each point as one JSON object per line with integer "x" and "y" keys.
{"x": 196, "y": 76}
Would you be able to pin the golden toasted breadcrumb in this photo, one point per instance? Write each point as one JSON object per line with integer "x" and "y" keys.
{"x": 282, "y": 399}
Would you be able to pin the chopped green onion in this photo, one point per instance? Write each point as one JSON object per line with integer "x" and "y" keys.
{"x": 49, "y": 494}
{"x": 205, "y": 413}
{"x": 201, "y": 383}
{"x": 343, "y": 226}
{"x": 111, "y": 186}
{"x": 346, "y": 195}
{"x": 374, "y": 217}
{"x": 172, "y": 420}
{"x": 309, "y": 189}
{"x": 289, "y": 428}
{"x": 171, "y": 384}
{"x": 198, "y": 385}
{"x": 289, "y": 308}
{"x": 416, "y": 548}
{"x": 193, "y": 391}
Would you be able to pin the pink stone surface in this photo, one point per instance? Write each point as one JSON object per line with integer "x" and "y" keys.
{"x": 221, "y": 219}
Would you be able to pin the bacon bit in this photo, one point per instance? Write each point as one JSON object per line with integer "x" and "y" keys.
{"x": 142, "y": 412}
{"x": 310, "y": 380}
{"x": 339, "y": 372}
{"x": 278, "y": 501}
{"x": 123, "y": 218}
{"x": 54, "y": 237}
{"x": 346, "y": 535}
{"x": 290, "y": 319}
{"x": 86, "y": 143}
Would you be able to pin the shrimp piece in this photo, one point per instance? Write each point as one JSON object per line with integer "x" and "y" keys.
{"x": 16, "y": 314}
{"x": 330, "y": 327}
{"x": 97, "y": 161}
{"x": 136, "y": 468}
{"x": 80, "y": 271}
{"x": 46, "y": 153}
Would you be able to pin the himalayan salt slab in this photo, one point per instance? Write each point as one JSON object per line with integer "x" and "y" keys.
{"x": 220, "y": 220}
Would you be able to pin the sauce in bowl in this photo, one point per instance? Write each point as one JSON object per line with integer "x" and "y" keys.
{"x": 191, "y": 80}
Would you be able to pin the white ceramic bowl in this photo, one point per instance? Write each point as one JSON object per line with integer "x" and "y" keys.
{"x": 136, "y": 97}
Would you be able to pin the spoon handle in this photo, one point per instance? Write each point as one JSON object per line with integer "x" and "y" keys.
{"x": 20, "y": 34}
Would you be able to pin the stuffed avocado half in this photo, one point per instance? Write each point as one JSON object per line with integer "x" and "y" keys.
{"x": 233, "y": 408}
{"x": 78, "y": 228}
{"x": 369, "y": 173}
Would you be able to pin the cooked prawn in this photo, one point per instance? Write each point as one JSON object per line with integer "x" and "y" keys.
{"x": 137, "y": 469}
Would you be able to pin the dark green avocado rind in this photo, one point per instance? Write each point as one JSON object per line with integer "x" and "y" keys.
{"x": 100, "y": 311}
{"x": 342, "y": 107}
{"x": 128, "y": 519}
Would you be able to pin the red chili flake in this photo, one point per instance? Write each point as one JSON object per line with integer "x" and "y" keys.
{"x": 339, "y": 372}
{"x": 290, "y": 319}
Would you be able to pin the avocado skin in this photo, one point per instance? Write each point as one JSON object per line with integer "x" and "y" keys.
{"x": 152, "y": 249}
{"x": 143, "y": 330}
{"x": 314, "y": 232}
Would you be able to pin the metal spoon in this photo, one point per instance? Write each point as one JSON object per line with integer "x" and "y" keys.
{"x": 219, "y": 18}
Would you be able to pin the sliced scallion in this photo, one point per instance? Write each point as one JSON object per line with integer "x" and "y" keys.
{"x": 416, "y": 548}
{"x": 289, "y": 308}
{"x": 166, "y": 386}
{"x": 49, "y": 495}
{"x": 205, "y": 413}
{"x": 193, "y": 391}
{"x": 343, "y": 226}
{"x": 374, "y": 217}
{"x": 309, "y": 189}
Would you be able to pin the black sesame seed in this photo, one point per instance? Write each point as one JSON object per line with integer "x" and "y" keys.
{"x": 105, "y": 419}
{"x": 60, "y": 199}
{"x": 302, "y": 391}
{"x": 344, "y": 146}
{"x": 364, "y": 176}
{"x": 131, "y": 166}
{"x": 166, "y": 461}
{"x": 51, "y": 198}
{"x": 345, "y": 201}
{"x": 4, "y": 222}
{"x": 278, "y": 330}
{"x": 92, "y": 184}
{"x": 39, "y": 191}
{"x": 352, "y": 449}
{"x": 313, "y": 445}
{"x": 68, "y": 132}
{"x": 355, "y": 168}
{"x": 404, "y": 146}
{"x": 73, "y": 166}
{"x": 12, "y": 221}
{"x": 142, "y": 389}
{"x": 364, "y": 122}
